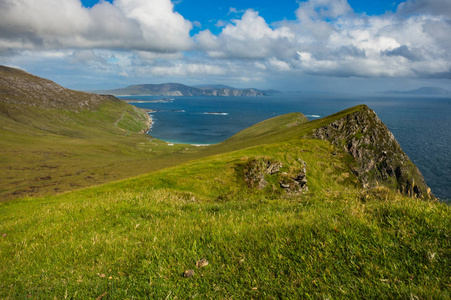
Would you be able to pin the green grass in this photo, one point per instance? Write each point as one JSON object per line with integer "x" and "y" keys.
{"x": 134, "y": 238}
{"x": 48, "y": 151}
{"x": 80, "y": 149}
{"x": 135, "y": 243}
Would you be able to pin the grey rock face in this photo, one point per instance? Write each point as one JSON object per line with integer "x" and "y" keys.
{"x": 379, "y": 157}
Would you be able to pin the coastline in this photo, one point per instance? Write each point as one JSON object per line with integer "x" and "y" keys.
{"x": 149, "y": 122}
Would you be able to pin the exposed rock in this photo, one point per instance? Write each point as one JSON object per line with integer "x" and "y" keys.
{"x": 273, "y": 168}
{"x": 256, "y": 170}
{"x": 188, "y": 273}
{"x": 201, "y": 263}
{"x": 296, "y": 183}
{"x": 379, "y": 157}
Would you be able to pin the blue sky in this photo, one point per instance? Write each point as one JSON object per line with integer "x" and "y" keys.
{"x": 321, "y": 45}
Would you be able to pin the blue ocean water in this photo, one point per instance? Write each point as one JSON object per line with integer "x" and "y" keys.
{"x": 422, "y": 126}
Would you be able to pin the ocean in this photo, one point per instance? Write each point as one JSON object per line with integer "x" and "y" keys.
{"x": 421, "y": 125}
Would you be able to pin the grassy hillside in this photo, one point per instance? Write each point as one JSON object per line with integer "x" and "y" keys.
{"x": 134, "y": 239}
{"x": 54, "y": 139}
{"x": 279, "y": 210}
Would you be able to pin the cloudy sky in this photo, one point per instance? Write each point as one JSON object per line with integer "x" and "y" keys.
{"x": 324, "y": 45}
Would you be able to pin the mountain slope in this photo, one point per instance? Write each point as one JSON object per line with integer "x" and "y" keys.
{"x": 379, "y": 156}
{"x": 55, "y": 139}
{"x": 19, "y": 87}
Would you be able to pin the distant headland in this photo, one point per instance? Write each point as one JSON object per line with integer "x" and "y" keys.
{"x": 178, "y": 89}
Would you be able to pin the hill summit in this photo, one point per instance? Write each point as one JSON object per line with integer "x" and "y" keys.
{"x": 20, "y": 87}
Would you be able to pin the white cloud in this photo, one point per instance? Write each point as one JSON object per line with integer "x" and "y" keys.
{"x": 233, "y": 10}
{"x": 179, "y": 68}
{"x": 125, "y": 24}
{"x": 139, "y": 38}
{"x": 279, "y": 65}
{"x": 328, "y": 38}
{"x": 88, "y": 56}
{"x": 208, "y": 41}
{"x": 248, "y": 37}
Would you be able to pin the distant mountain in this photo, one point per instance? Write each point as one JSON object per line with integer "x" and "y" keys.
{"x": 177, "y": 89}
{"x": 431, "y": 91}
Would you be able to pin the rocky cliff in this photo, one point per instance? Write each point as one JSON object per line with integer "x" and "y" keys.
{"x": 380, "y": 159}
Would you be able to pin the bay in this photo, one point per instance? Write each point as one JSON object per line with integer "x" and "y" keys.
{"x": 421, "y": 125}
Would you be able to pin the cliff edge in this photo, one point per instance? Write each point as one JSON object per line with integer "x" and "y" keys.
{"x": 380, "y": 159}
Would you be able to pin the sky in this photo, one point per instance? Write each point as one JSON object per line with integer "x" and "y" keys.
{"x": 338, "y": 46}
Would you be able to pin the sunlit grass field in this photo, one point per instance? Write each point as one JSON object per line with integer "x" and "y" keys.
{"x": 135, "y": 238}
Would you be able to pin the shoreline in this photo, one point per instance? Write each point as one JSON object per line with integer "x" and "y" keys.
{"x": 149, "y": 122}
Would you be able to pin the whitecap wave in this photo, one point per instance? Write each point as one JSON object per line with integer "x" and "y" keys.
{"x": 216, "y": 113}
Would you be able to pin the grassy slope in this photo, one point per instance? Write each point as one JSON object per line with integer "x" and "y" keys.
{"x": 133, "y": 239}
{"x": 44, "y": 151}
{"x": 94, "y": 147}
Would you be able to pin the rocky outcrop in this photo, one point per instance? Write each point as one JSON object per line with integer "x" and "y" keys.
{"x": 380, "y": 159}
{"x": 256, "y": 170}
{"x": 296, "y": 182}
{"x": 259, "y": 172}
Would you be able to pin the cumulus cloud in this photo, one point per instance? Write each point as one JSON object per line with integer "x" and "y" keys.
{"x": 248, "y": 37}
{"x": 125, "y": 24}
{"x": 149, "y": 38}
{"x": 333, "y": 40}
